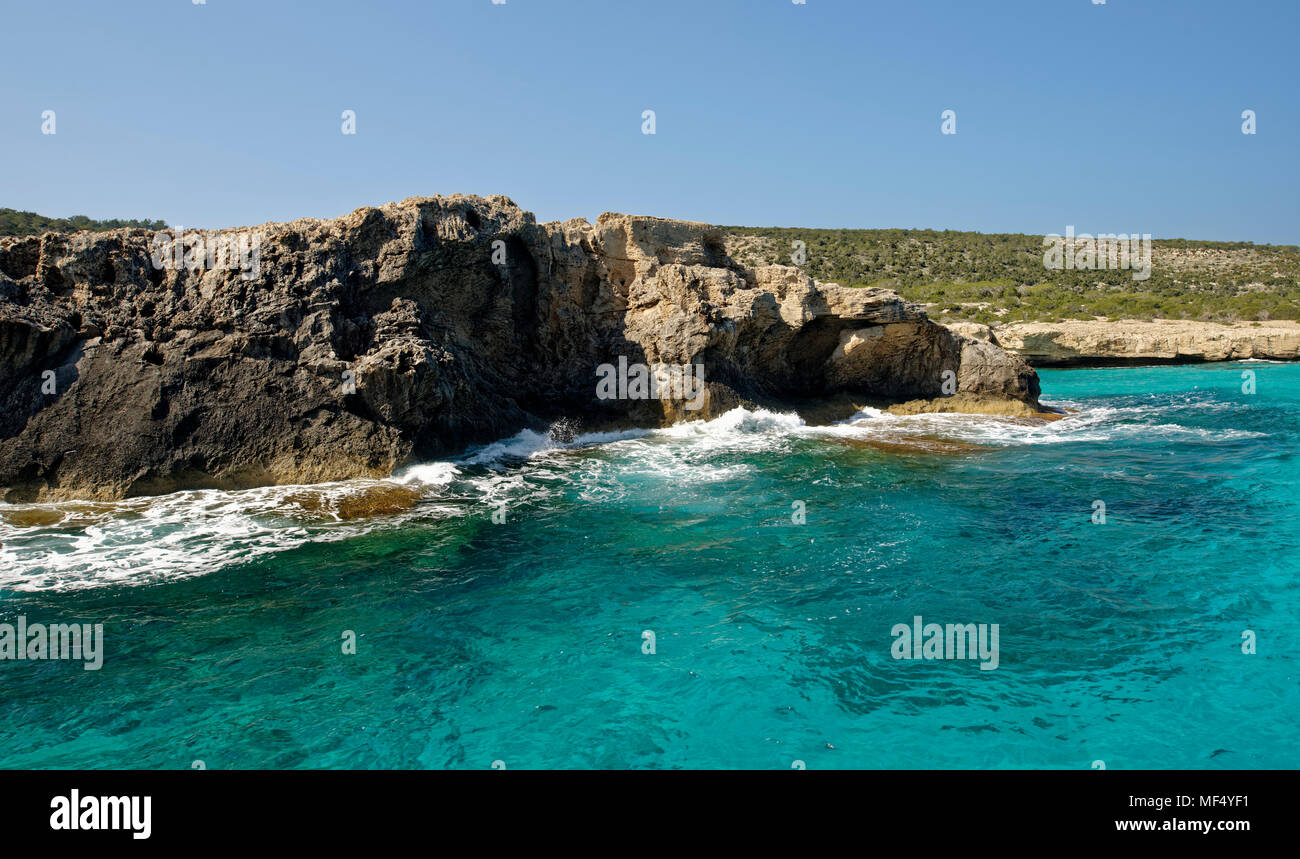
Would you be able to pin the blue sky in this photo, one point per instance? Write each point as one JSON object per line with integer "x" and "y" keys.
{"x": 1123, "y": 117}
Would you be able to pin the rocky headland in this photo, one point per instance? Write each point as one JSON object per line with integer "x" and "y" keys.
{"x": 411, "y": 330}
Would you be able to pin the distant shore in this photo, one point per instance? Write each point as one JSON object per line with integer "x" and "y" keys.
{"x": 1126, "y": 341}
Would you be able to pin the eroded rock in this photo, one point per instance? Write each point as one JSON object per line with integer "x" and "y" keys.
{"x": 408, "y": 331}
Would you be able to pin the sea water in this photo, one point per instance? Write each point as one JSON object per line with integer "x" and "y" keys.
{"x": 720, "y": 594}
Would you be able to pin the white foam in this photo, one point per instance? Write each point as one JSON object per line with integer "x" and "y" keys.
{"x": 148, "y": 540}
{"x": 155, "y": 539}
{"x": 528, "y": 444}
{"x": 429, "y": 474}
{"x": 520, "y": 446}
{"x": 738, "y": 421}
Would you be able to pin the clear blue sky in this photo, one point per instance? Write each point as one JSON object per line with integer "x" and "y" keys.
{"x": 1122, "y": 117}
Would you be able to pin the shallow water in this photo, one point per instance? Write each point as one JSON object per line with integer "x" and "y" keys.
{"x": 522, "y": 642}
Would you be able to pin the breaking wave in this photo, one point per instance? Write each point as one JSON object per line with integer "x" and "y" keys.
{"x": 149, "y": 540}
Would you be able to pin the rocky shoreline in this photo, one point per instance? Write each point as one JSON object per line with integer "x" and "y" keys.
{"x": 1103, "y": 342}
{"x": 408, "y": 331}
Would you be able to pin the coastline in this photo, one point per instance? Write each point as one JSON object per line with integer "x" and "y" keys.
{"x": 1127, "y": 342}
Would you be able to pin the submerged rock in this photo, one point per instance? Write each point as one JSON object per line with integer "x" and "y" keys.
{"x": 403, "y": 332}
{"x": 972, "y": 404}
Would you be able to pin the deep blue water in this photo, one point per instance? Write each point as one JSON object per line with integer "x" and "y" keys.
{"x": 522, "y": 642}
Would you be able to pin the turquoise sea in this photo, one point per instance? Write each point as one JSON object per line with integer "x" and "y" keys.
{"x": 521, "y": 642}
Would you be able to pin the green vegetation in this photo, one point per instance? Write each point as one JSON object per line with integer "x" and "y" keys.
{"x": 995, "y": 278}
{"x": 16, "y": 223}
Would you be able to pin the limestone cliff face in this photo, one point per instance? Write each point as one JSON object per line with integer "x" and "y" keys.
{"x": 408, "y": 331}
{"x": 1118, "y": 341}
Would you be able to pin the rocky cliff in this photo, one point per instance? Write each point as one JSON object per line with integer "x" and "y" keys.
{"x": 1161, "y": 340}
{"x": 133, "y": 364}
